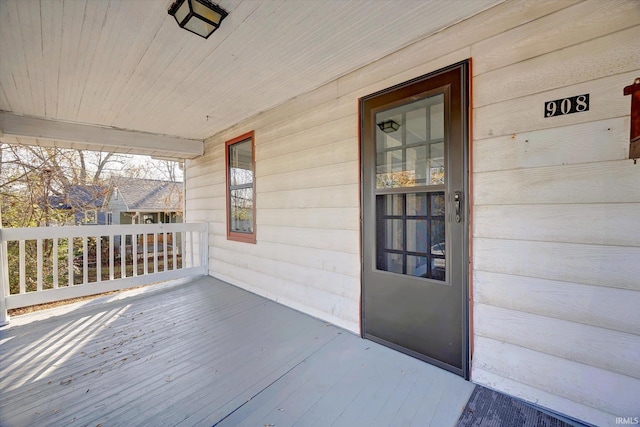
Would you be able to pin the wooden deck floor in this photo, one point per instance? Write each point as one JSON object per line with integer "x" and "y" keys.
{"x": 207, "y": 353}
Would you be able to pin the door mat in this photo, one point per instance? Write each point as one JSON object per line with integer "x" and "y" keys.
{"x": 487, "y": 408}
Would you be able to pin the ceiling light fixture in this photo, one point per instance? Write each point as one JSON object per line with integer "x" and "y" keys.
{"x": 389, "y": 126}
{"x": 201, "y": 17}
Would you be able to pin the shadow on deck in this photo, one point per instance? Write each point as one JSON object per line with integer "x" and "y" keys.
{"x": 207, "y": 353}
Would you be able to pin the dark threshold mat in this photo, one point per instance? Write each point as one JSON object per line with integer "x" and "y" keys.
{"x": 487, "y": 408}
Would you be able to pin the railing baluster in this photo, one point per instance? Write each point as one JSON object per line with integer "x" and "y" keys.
{"x": 54, "y": 257}
{"x": 70, "y": 259}
{"x": 134, "y": 253}
{"x": 23, "y": 269}
{"x": 39, "y": 256}
{"x": 111, "y": 276}
{"x": 5, "y": 288}
{"x": 123, "y": 256}
{"x": 204, "y": 253}
{"x": 165, "y": 248}
{"x": 85, "y": 260}
{"x": 183, "y": 242}
{"x": 98, "y": 258}
{"x": 174, "y": 255}
{"x": 155, "y": 252}
{"x": 191, "y": 249}
{"x": 145, "y": 250}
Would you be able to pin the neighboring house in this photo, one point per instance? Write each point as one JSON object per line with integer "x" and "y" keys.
{"x": 143, "y": 201}
{"x": 84, "y": 203}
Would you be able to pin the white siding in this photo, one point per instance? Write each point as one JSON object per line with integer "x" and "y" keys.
{"x": 556, "y": 241}
{"x": 307, "y": 222}
{"x": 556, "y": 204}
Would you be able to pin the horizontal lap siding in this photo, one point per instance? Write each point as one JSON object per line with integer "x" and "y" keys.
{"x": 307, "y": 200}
{"x": 556, "y": 241}
{"x": 556, "y": 201}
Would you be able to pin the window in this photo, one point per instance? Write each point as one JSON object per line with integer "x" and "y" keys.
{"x": 239, "y": 155}
{"x": 109, "y": 218}
{"x": 90, "y": 217}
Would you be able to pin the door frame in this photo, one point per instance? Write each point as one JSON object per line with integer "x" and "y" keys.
{"x": 465, "y": 75}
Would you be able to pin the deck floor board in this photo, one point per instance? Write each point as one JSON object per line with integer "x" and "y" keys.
{"x": 205, "y": 353}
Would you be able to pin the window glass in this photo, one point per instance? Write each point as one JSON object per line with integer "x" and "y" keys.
{"x": 240, "y": 189}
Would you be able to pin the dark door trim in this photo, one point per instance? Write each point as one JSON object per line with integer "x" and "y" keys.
{"x": 399, "y": 94}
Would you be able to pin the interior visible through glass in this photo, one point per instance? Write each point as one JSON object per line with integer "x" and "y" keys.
{"x": 412, "y": 155}
{"x": 411, "y": 234}
{"x": 410, "y": 199}
{"x": 241, "y": 187}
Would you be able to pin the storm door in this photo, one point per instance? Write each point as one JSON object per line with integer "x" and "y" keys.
{"x": 415, "y": 218}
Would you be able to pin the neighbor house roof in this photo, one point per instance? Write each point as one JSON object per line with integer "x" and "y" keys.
{"x": 148, "y": 194}
{"x": 80, "y": 197}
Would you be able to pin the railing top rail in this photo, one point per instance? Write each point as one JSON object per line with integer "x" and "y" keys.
{"x": 30, "y": 233}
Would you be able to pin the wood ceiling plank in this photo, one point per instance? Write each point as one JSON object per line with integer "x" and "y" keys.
{"x": 72, "y": 21}
{"x": 149, "y": 51}
{"x": 30, "y": 34}
{"x": 12, "y": 65}
{"x": 95, "y": 14}
{"x": 51, "y": 24}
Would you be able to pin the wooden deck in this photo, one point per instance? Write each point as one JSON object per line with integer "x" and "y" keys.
{"x": 207, "y": 353}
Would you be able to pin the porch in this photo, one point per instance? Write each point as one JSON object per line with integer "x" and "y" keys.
{"x": 201, "y": 352}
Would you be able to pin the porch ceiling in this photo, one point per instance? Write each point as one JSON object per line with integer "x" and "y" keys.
{"x": 122, "y": 65}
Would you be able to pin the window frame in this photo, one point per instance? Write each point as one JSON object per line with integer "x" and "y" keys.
{"x": 90, "y": 216}
{"x": 235, "y": 235}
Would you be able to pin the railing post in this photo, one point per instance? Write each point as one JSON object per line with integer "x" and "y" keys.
{"x": 4, "y": 278}
{"x": 204, "y": 245}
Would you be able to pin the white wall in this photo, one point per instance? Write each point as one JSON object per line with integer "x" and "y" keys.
{"x": 307, "y": 251}
{"x": 556, "y": 204}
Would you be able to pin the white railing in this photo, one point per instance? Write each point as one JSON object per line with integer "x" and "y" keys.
{"x": 46, "y": 264}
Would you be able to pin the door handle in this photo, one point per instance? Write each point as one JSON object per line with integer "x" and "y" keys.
{"x": 457, "y": 199}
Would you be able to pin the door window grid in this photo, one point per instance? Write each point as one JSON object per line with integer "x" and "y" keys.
{"x": 409, "y": 155}
{"x": 409, "y": 243}
{"x": 413, "y": 154}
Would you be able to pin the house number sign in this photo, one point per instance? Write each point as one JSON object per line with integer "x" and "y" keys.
{"x": 564, "y": 106}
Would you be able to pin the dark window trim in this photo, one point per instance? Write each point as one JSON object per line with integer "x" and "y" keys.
{"x": 234, "y": 235}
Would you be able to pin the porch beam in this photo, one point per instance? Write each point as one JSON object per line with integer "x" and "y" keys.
{"x": 38, "y": 131}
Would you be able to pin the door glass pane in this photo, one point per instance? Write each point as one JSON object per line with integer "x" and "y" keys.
{"x": 437, "y": 269}
{"x": 436, "y": 163}
{"x": 409, "y": 144}
{"x": 438, "y": 249}
{"x": 416, "y": 121}
{"x": 411, "y": 234}
{"x": 394, "y": 263}
{"x": 393, "y": 204}
{"x": 391, "y": 138}
{"x": 437, "y": 121}
{"x": 417, "y": 163}
{"x": 394, "y": 233}
{"x": 416, "y": 204}
{"x": 417, "y": 266}
{"x": 437, "y": 204}
{"x": 417, "y": 235}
